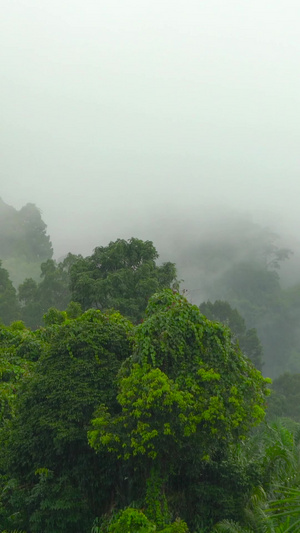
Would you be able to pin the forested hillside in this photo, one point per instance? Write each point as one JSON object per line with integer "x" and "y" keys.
{"x": 124, "y": 407}
{"x": 237, "y": 261}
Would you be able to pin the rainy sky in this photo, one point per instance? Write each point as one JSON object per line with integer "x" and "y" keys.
{"x": 122, "y": 115}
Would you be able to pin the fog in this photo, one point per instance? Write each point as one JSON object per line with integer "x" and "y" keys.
{"x": 150, "y": 118}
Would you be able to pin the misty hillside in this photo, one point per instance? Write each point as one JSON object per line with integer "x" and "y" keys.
{"x": 24, "y": 243}
{"x": 150, "y": 266}
{"x": 230, "y": 259}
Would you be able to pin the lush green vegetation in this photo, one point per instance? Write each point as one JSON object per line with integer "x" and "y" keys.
{"x": 241, "y": 269}
{"x": 123, "y": 407}
{"x": 100, "y": 416}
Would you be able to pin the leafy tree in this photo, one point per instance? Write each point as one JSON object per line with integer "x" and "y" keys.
{"x": 17, "y": 346}
{"x": 18, "y": 350}
{"x": 35, "y": 242}
{"x": 122, "y": 275}
{"x": 61, "y": 485}
{"x": 134, "y": 521}
{"x": 186, "y": 396}
{"x": 249, "y": 343}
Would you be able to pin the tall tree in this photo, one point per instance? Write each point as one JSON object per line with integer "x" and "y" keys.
{"x": 19, "y": 349}
{"x": 186, "y": 396}
{"x": 60, "y": 482}
{"x": 122, "y": 275}
{"x": 34, "y": 243}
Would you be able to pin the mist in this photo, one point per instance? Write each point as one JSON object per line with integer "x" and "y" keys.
{"x": 176, "y": 122}
{"x": 137, "y": 118}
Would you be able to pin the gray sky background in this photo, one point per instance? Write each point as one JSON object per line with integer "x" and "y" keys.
{"x": 119, "y": 116}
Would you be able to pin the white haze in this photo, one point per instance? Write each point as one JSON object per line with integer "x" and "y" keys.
{"x": 142, "y": 118}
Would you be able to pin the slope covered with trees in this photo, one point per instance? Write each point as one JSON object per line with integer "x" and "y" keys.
{"x": 122, "y": 275}
{"x": 107, "y": 427}
{"x": 126, "y": 408}
{"x": 105, "y": 414}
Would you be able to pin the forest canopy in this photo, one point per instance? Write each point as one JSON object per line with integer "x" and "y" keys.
{"x": 153, "y": 400}
{"x": 241, "y": 269}
{"x": 123, "y": 405}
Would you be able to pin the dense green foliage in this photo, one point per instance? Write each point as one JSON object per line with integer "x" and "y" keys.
{"x": 272, "y": 506}
{"x": 178, "y": 351}
{"x": 18, "y": 349}
{"x": 236, "y": 261}
{"x": 122, "y": 275}
{"x": 167, "y": 408}
{"x": 240, "y": 268}
{"x": 176, "y": 409}
{"x": 132, "y": 520}
{"x": 61, "y": 483}
{"x": 187, "y": 395}
{"x": 106, "y": 426}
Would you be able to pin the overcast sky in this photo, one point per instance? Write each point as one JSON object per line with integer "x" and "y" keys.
{"x": 120, "y": 113}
